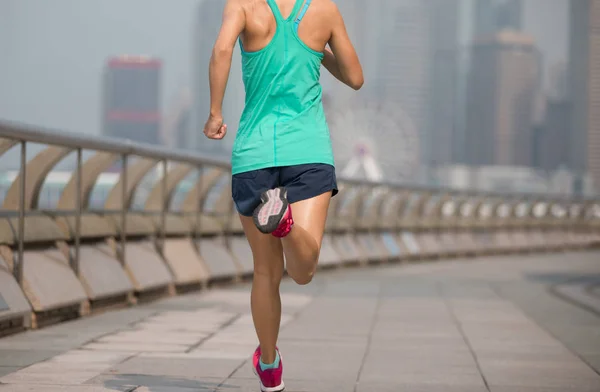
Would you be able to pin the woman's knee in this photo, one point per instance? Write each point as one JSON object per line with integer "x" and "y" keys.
{"x": 271, "y": 272}
{"x": 303, "y": 279}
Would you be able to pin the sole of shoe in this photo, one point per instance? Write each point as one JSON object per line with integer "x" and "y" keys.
{"x": 279, "y": 388}
{"x": 268, "y": 215}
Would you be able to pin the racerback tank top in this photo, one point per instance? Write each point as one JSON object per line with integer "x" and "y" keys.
{"x": 283, "y": 122}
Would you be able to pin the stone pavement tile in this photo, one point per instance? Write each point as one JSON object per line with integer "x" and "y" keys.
{"x": 92, "y": 357}
{"x": 440, "y": 378}
{"x": 72, "y": 334}
{"x": 136, "y": 347}
{"x": 451, "y": 367}
{"x": 160, "y": 326}
{"x": 593, "y": 360}
{"x": 422, "y": 306}
{"x": 291, "y": 385}
{"x": 540, "y": 375}
{"x": 516, "y": 348}
{"x": 155, "y": 383}
{"x": 49, "y": 372}
{"x": 4, "y": 370}
{"x": 56, "y": 388}
{"x": 494, "y": 388}
{"x": 570, "y": 364}
{"x": 408, "y": 363}
{"x": 49, "y": 377}
{"x": 324, "y": 340}
{"x": 414, "y": 329}
{"x": 347, "y": 287}
{"x": 460, "y": 356}
{"x": 524, "y": 330}
{"x": 215, "y": 349}
{"x": 240, "y": 299}
{"x": 477, "y": 290}
{"x": 217, "y": 353}
{"x": 415, "y": 387}
{"x": 155, "y": 388}
{"x": 400, "y": 343}
{"x": 583, "y": 338}
{"x": 207, "y": 321}
{"x": 507, "y": 355}
{"x": 178, "y": 367}
{"x": 141, "y": 336}
{"x": 70, "y": 368}
{"x": 22, "y": 358}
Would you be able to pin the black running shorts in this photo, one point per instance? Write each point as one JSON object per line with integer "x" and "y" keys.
{"x": 301, "y": 182}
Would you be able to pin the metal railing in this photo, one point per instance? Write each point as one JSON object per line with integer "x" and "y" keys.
{"x": 361, "y": 207}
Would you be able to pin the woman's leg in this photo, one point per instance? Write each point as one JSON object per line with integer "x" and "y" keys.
{"x": 265, "y": 300}
{"x": 303, "y": 244}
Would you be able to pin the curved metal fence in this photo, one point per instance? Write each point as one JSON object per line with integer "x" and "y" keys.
{"x": 89, "y": 223}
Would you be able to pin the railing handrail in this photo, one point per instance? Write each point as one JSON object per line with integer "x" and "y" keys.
{"x": 36, "y": 134}
{"x": 21, "y": 132}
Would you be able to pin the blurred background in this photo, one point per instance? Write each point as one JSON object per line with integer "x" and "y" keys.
{"x": 498, "y": 95}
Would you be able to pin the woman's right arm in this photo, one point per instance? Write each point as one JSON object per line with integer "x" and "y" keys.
{"x": 342, "y": 61}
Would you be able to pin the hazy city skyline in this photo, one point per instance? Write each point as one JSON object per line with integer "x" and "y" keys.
{"x": 55, "y": 52}
{"x": 74, "y": 50}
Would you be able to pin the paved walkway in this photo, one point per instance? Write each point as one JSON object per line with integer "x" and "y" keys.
{"x": 497, "y": 324}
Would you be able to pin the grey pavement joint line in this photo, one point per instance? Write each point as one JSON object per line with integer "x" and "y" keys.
{"x": 554, "y": 290}
{"x": 462, "y": 333}
{"x": 370, "y": 338}
{"x": 226, "y": 324}
{"x": 593, "y": 289}
{"x": 241, "y": 365}
{"x": 547, "y": 330}
{"x": 126, "y": 327}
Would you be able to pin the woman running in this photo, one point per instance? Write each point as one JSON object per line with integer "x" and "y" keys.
{"x": 282, "y": 160}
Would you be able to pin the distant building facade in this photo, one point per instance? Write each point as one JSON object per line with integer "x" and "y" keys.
{"x": 584, "y": 82}
{"x": 132, "y": 99}
{"x": 444, "y": 81}
{"x": 492, "y": 16}
{"x": 501, "y": 100}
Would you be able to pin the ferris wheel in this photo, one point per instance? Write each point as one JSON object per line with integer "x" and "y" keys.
{"x": 379, "y": 139}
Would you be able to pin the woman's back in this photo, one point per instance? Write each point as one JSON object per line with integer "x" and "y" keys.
{"x": 261, "y": 24}
{"x": 283, "y": 122}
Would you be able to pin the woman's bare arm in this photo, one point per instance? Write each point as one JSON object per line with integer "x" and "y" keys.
{"x": 234, "y": 20}
{"x": 342, "y": 61}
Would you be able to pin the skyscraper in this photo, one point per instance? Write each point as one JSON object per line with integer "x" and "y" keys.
{"x": 585, "y": 77}
{"x": 444, "y": 80}
{"x": 502, "y": 88}
{"x": 495, "y": 15}
{"x": 554, "y": 138}
{"x": 132, "y": 99}
{"x": 403, "y": 74}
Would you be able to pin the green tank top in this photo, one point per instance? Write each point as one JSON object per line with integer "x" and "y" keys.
{"x": 283, "y": 122}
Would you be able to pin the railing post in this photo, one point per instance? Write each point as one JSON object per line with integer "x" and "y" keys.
{"x": 20, "y": 266}
{"x": 199, "y": 202}
{"x": 78, "y": 208}
{"x": 163, "y": 210}
{"x": 124, "y": 207}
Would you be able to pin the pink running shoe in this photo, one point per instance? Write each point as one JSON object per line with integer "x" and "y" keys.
{"x": 270, "y": 379}
{"x": 274, "y": 214}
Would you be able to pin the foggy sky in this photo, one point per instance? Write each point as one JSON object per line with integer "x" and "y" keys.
{"x": 52, "y": 51}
